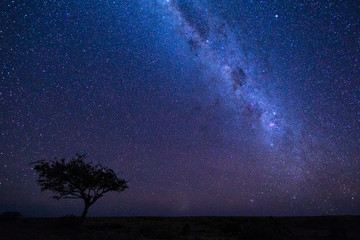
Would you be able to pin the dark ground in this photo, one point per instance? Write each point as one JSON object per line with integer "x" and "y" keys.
{"x": 340, "y": 227}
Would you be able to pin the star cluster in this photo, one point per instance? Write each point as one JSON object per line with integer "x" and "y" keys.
{"x": 207, "y": 107}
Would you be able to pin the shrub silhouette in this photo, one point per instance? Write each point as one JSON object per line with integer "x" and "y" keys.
{"x": 77, "y": 179}
{"x": 185, "y": 230}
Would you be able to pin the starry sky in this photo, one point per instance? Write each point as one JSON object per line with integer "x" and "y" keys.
{"x": 209, "y": 107}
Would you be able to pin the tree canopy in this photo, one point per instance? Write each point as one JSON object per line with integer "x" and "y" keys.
{"x": 77, "y": 179}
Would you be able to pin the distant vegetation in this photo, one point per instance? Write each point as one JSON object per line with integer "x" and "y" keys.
{"x": 10, "y": 216}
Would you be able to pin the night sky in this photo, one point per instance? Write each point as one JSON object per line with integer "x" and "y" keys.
{"x": 209, "y": 107}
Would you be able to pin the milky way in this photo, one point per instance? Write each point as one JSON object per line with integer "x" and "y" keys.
{"x": 206, "y": 107}
{"x": 237, "y": 78}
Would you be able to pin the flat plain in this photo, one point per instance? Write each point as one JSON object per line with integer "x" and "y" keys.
{"x": 108, "y": 228}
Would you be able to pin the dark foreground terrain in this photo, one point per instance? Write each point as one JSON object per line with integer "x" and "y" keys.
{"x": 344, "y": 227}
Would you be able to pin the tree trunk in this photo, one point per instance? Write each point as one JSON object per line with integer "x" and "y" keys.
{"x": 87, "y": 205}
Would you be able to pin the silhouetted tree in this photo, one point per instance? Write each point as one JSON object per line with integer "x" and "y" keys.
{"x": 77, "y": 179}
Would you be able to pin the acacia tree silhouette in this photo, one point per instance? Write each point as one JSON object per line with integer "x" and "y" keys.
{"x": 77, "y": 180}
